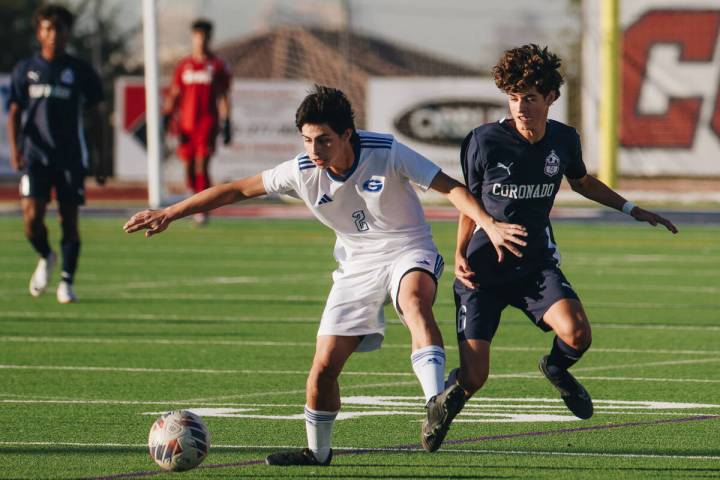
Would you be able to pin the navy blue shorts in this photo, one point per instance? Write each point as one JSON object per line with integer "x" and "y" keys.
{"x": 477, "y": 312}
{"x": 38, "y": 181}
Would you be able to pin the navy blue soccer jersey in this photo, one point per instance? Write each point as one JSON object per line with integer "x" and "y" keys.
{"x": 52, "y": 96}
{"x": 517, "y": 182}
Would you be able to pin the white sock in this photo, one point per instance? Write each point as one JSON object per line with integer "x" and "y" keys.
{"x": 429, "y": 366}
{"x": 318, "y": 425}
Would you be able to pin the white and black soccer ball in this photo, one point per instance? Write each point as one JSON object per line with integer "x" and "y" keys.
{"x": 178, "y": 441}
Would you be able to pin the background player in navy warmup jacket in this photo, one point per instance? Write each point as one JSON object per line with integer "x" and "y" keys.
{"x": 48, "y": 94}
{"x": 514, "y": 168}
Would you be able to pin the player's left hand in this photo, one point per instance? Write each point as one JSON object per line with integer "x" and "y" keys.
{"x": 642, "y": 215}
{"x": 155, "y": 221}
{"x": 463, "y": 272}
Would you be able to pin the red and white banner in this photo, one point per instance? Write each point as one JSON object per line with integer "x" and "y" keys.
{"x": 670, "y": 87}
{"x": 263, "y": 117}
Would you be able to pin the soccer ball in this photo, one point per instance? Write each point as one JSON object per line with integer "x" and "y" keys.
{"x": 178, "y": 441}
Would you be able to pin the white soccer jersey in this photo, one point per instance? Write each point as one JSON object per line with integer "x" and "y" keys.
{"x": 374, "y": 210}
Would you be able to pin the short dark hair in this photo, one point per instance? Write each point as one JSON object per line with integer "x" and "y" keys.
{"x": 55, "y": 13}
{"x": 204, "y": 25}
{"x": 326, "y": 105}
{"x": 528, "y": 66}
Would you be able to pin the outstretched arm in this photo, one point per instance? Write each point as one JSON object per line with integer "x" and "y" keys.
{"x": 156, "y": 221}
{"x": 502, "y": 235}
{"x": 593, "y": 189}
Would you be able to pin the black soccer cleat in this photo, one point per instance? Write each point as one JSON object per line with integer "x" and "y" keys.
{"x": 441, "y": 410}
{"x": 297, "y": 457}
{"x": 576, "y": 398}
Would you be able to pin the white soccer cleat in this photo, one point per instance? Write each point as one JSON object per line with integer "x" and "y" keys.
{"x": 65, "y": 293}
{"x": 41, "y": 277}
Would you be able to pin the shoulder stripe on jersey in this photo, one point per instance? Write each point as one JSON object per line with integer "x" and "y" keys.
{"x": 382, "y": 147}
{"x": 367, "y": 135}
{"x": 305, "y": 167}
{"x": 305, "y": 162}
{"x": 304, "y": 157}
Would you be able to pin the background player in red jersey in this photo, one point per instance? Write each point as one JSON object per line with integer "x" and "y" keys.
{"x": 199, "y": 95}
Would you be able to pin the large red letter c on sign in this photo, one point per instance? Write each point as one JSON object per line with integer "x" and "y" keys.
{"x": 696, "y": 31}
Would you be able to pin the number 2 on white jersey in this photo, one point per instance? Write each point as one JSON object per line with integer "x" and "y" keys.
{"x": 360, "y": 222}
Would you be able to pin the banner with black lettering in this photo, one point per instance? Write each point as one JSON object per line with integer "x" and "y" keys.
{"x": 432, "y": 115}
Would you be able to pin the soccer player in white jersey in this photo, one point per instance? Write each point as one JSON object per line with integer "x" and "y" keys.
{"x": 359, "y": 184}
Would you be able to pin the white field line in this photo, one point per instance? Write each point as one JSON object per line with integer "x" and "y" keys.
{"x": 153, "y": 316}
{"x": 209, "y": 402}
{"x": 648, "y": 364}
{"x": 582, "y": 454}
{"x": 254, "y": 343}
{"x": 303, "y": 320}
{"x": 189, "y": 370}
{"x": 624, "y": 259}
{"x": 677, "y": 328}
{"x": 376, "y": 449}
{"x": 624, "y": 287}
{"x": 325, "y": 279}
{"x": 531, "y": 375}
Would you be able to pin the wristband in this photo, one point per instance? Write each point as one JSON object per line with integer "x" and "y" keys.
{"x": 628, "y": 207}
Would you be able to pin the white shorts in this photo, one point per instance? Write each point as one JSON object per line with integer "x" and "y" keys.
{"x": 360, "y": 291}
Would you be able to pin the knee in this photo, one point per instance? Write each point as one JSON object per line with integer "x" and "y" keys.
{"x": 322, "y": 374}
{"x": 578, "y": 338}
{"x": 415, "y": 307}
{"x": 472, "y": 380}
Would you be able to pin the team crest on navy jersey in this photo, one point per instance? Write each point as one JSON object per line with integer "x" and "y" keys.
{"x": 67, "y": 76}
{"x": 552, "y": 164}
{"x": 33, "y": 75}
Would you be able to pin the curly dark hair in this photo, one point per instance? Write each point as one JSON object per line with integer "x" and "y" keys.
{"x": 57, "y": 14}
{"x": 204, "y": 25}
{"x": 528, "y": 66}
{"x": 326, "y": 105}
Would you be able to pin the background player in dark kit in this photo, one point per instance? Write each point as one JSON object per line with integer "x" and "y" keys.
{"x": 514, "y": 168}
{"x": 48, "y": 94}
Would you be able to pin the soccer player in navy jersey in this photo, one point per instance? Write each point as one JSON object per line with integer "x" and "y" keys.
{"x": 48, "y": 94}
{"x": 514, "y": 168}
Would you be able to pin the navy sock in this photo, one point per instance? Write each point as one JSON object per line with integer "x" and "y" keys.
{"x": 71, "y": 253}
{"x": 39, "y": 241}
{"x": 563, "y": 356}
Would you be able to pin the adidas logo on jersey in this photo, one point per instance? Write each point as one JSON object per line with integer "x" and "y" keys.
{"x": 324, "y": 199}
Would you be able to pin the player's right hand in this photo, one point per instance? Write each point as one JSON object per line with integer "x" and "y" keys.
{"x": 506, "y": 236}
{"x": 463, "y": 272}
{"x": 154, "y": 221}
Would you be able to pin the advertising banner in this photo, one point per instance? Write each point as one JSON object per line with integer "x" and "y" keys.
{"x": 264, "y": 132}
{"x": 433, "y": 115}
{"x": 670, "y": 87}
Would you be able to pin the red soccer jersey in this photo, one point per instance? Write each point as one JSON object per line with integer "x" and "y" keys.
{"x": 200, "y": 83}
